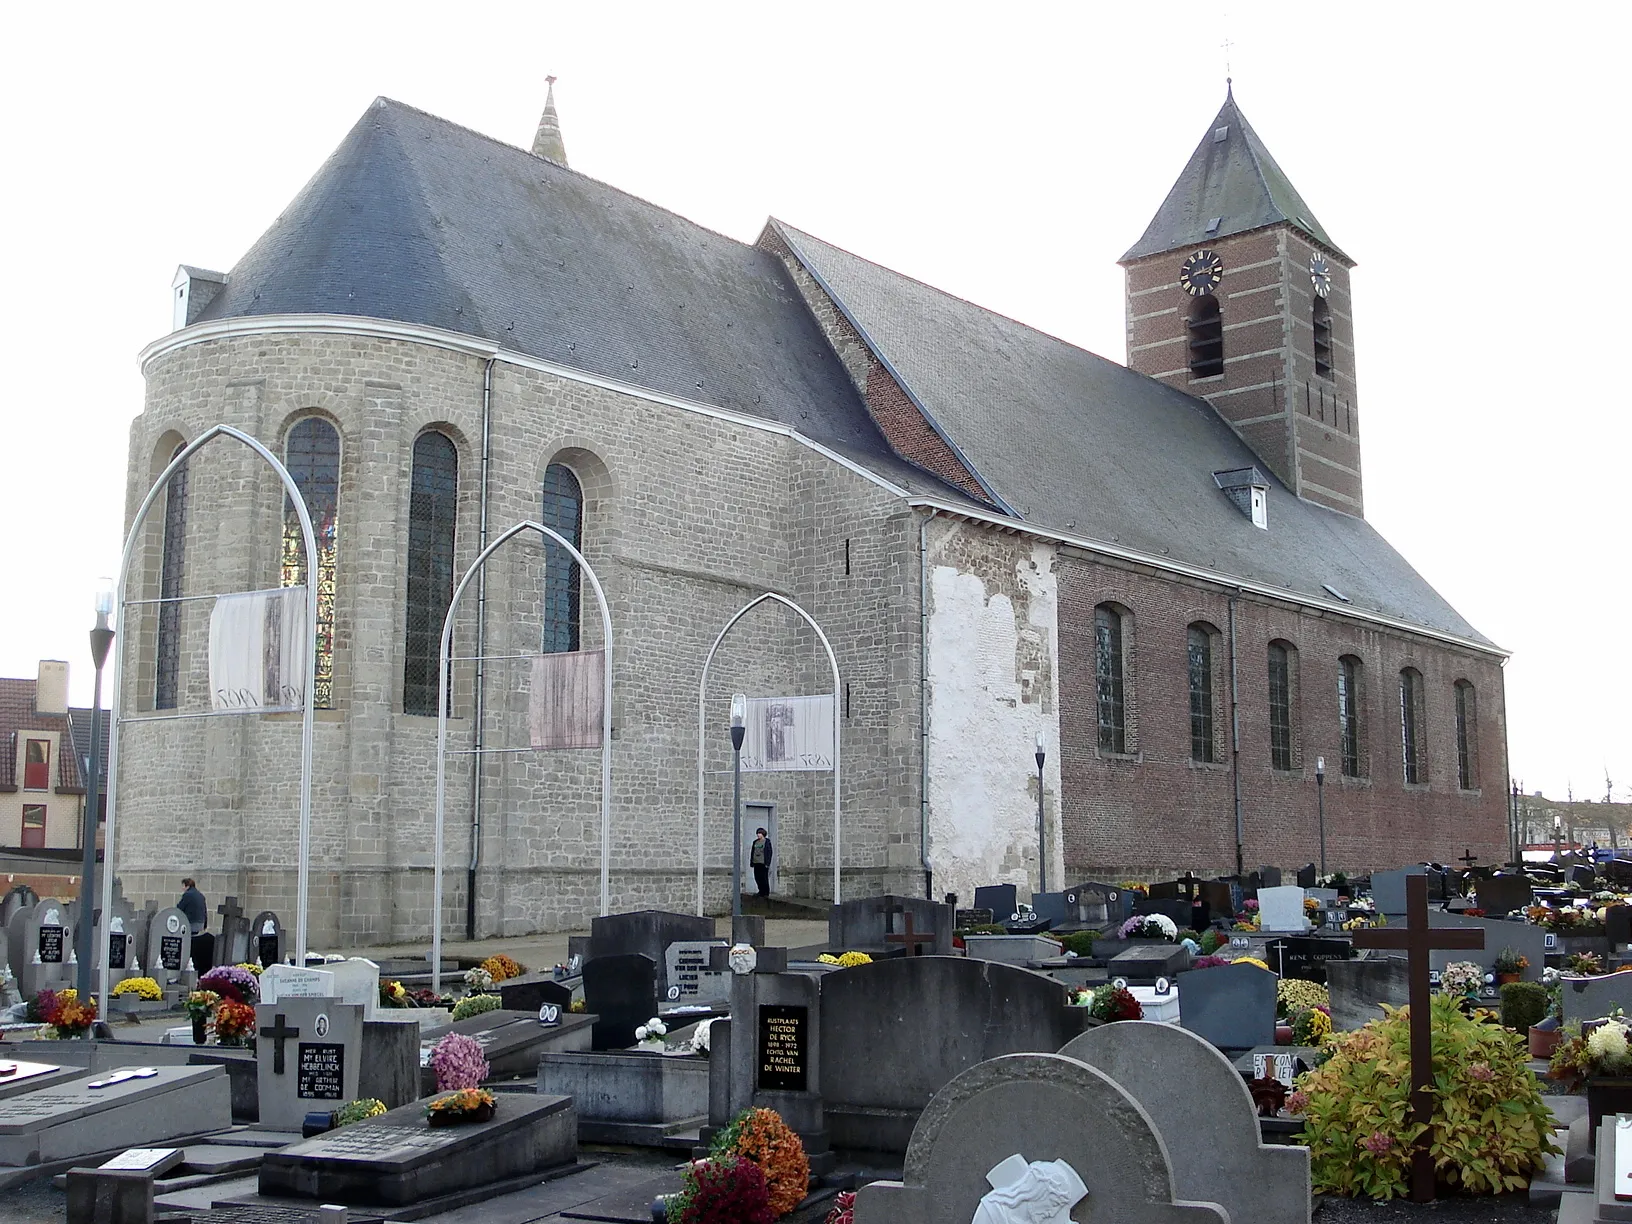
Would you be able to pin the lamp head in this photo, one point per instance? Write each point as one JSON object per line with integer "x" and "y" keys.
{"x": 739, "y": 717}
{"x": 1040, "y": 754}
{"x": 1320, "y": 767}
{"x": 104, "y": 596}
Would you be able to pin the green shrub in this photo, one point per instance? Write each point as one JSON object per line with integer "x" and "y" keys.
{"x": 1211, "y": 940}
{"x": 983, "y": 929}
{"x": 1489, "y": 1132}
{"x": 1081, "y": 942}
{"x": 475, "y": 1005}
{"x": 1523, "y": 1004}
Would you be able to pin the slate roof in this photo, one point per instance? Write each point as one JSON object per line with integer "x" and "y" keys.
{"x": 1088, "y": 447}
{"x": 79, "y": 724}
{"x": 422, "y": 221}
{"x": 17, "y": 713}
{"x": 1234, "y": 179}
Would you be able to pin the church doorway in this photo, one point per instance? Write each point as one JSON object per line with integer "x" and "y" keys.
{"x": 759, "y": 816}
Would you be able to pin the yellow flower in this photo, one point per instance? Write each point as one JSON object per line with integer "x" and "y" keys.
{"x": 851, "y": 959}
{"x": 1250, "y": 960}
{"x": 143, "y": 988}
{"x": 827, "y": 958}
{"x": 249, "y": 967}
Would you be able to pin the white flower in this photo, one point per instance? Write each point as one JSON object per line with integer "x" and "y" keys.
{"x": 640, "y": 1033}
{"x": 1607, "y": 1044}
{"x": 1168, "y": 927}
{"x": 656, "y": 1027}
{"x": 699, "y": 1037}
{"x": 478, "y": 979}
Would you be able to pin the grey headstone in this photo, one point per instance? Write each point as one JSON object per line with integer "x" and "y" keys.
{"x": 646, "y": 932}
{"x": 1528, "y": 940}
{"x": 1010, "y": 949}
{"x": 1281, "y": 909}
{"x": 862, "y": 925}
{"x": 48, "y": 936}
{"x": 388, "y": 1066}
{"x": 1039, "y": 1107}
{"x": 396, "y": 1160}
{"x": 1589, "y": 998}
{"x": 19, "y": 896}
{"x": 691, "y": 983}
{"x": 1051, "y": 907}
{"x": 76, "y": 1118}
{"x": 622, "y": 993}
{"x": 1232, "y": 1006}
{"x": 110, "y": 1196}
{"x": 321, "y": 1064}
{"x": 1357, "y": 987}
{"x": 1093, "y": 904}
{"x": 1201, "y": 1106}
{"x": 169, "y": 945}
{"x": 1145, "y": 963}
{"x": 1500, "y": 895}
{"x": 1388, "y": 889}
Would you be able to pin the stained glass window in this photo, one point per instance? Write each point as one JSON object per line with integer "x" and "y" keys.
{"x": 1411, "y": 724}
{"x": 1280, "y": 706}
{"x": 312, "y": 455}
{"x": 432, "y": 506}
{"x": 1467, "y": 736}
{"x": 563, "y": 510}
{"x": 1199, "y": 646}
{"x": 1348, "y": 713}
{"x": 1108, "y": 684}
{"x": 167, "y": 657}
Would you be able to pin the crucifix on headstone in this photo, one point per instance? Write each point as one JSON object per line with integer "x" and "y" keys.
{"x": 1468, "y": 857}
{"x": 234, "y": 939}
{"x": 912, "y": 940}
{"x": 280, "y": 1031}
{"x": 1418, "y": 939}
{"x": 1187, "y": 886}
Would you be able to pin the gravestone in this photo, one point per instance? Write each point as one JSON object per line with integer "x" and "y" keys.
{"x": 1305, "y": 958}
{"x": 1358, "y": 987}
{"x": 1091, "y": 904}
{"x": 1281, "y": 909}
{"x": 266, "y": 939}
{"x": 1010, "y": 949}
{"x": 1502, "y": 894}
{"x": 1002, "y": 899}
{"x": 119, "y": 947}
{"x": 1618, "y": 925}
{"x": 1232, "y": 1006}
{"x": 1144, "y": 963}
{"x": 293, "y": 982}
{"x": 647, "y": 932}
{"x": 18, "y": 1077}
{"x": 896, "y": 1031}
{"x": 621, "y": 991}
{"x": 1268, "y": 877}
{"x": 19, "y": 896}
{"x": 1307, "y": 876}
{"x": 45, "y": 949}
{"x": 169, "y": 946}
{"x": 15, "y": 937}
{"x": 1388, "y": 889}
{"x": 232, "y": 944}
{"x": 863, "y": 925}
{"x": 1222, "y": 898}
{"x": 309, "y": 1054}
{"x": 691, "y": 983}
{"x": 511, "y": 1041}
{"x": 1050, "y": 907}
{"x": 966, "y": 918}
{"x": 112, "y": 1109}
{"x": 120, "y": 1191}
{"x": 1199, "y": 1102}
{"x": 531, "y": 991}
{"x": 1083, "y": 1137}
{"x": 357, "y": 981}
{"x": 397, "y": 1160}
{"x": 1591, "y": 998}
{"x": 1527, "y": 940}
{"x": 1178, "y": 909}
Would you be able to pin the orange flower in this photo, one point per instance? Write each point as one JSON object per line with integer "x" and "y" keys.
{"x": 771, "y": 1144}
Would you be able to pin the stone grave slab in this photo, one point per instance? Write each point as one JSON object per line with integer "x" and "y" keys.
{"x": 1092, "y": 904}
{"x": 294, "y": 982}
{"x": 309, "y": 1057}
{"x": 1501, "y": 894}
{"x": 1281, "y": 909}
{"x": 1010, "y": 949}
{"x": 18, "y": 1077}
{"x": 266, "y": 940}
{"x": 690, "y": 981}
{"x": 862, "y": 925}
{"x": 512, "y": 1041}
{"x": 1002, "y": 899}
{"x": 388, "y": 1066}
{"x": 1084, "y": 1137}
{"x": 637, "y": 1089}
{"x": 46, "y": 943}
{"x": 1388, "y": 889}
{"x": 113, "y": 1109}
{"x": 1305, "y": 957}
{"x": 1197, "y": 1099}
{"x": 531, "y": 991}
{"x": 621, "y": 991}
{"x": 1358, "y": 986}
{"x": 357, "y": 981}
{"x": 169, "y": 945}
{"x": 1144, "y": 963}
{"x": 646, "y": 932}
{"x": 1525, "y": 938}
{"x": 1232, "y": 1006}
{"x": 1589, "y": 998}
{"x": 120, "y": 1191}
{"x": 397, "y": 1159}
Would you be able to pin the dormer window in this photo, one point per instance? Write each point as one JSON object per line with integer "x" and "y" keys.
{"x": 1248, "y": 491}
{"x": 192, "y": 290}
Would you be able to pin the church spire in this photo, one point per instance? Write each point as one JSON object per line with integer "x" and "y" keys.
{"x": 547, "y": 143}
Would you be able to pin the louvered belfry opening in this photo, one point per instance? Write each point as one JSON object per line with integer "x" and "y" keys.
{"x": 1323, "y": 338}
{"x": 1206, "y": 337}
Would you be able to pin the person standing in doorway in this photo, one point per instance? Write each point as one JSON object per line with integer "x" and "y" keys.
{"x": 759, "y": 857}
{"x": 197, "y": 912}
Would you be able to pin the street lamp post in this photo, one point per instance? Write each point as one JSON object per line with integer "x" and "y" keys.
{"x": 101, "y": 642}
{"x": 739, "y": 715}
{"x": 1042, "y": 838}
{"x": 1320, "y": 800}
{"x": 1558, "y": 833}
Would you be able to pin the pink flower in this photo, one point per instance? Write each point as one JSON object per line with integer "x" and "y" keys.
{"x": 1298, "y": 1102}
{"x": 1252, "y": 904}
{"x": 1377, "y": 1143}
{"x": 1481, "y": 1071}
{"x": 458, "y": 1062}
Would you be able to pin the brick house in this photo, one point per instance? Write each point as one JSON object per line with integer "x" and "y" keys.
{"x": 1161, "y": 568}
{"x": 42, "y": 793}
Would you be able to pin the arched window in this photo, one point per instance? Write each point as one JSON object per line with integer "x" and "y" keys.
{"x": 167, "y": 657}
{"x": 1322, "y": 320}
{"x": 1467, "y": 736}
{"x": 1199, "y": 652}
{"x": 1411, "y": 725}
{"x": 1109, "y": 686}
{"x": 432, "y": 507}
{"x": 563, "y": 510}
{"x": 312, "y": 455}
{"x": 1282, "y": 659}
{"x": 1206, "y": 329}
{"x": 1350, "y": 704}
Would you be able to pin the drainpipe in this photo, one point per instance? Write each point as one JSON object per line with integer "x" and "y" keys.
{"x": 923, "y": 703}
{"x": 1235, "y": 740}
{"x": 481, "y": 651}
{"x": 1514, "y": 837}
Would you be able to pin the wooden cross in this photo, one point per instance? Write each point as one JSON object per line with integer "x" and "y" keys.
{"x": 912, "y": 940}
{"x": 1468, "y": 857}
{"x": 1189, "y": 884}
{"x": 1418, "y": 939}
{"x": 279, "y": 1032}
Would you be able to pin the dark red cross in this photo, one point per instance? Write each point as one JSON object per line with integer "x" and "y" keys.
{"x": 1418, "y": 939}
{"x": 913, "y": 941}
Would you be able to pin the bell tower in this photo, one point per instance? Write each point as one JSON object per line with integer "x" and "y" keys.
{"x": 1237, "y": 295}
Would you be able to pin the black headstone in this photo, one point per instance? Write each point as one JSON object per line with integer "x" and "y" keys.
{"x": 1501, "y": 894}
{"x": 1051, "y": 907}
{"x": 1176, "y": 908}
{"x": 648, "y": 932}
{"x": 1583, "y": 875}
{"x": 1002, "y": 899}
{"x": 50, "y": 945}
{"x": 531, "y": 991}
{"x": 784, "y": 1048}
{"x": 967, "y": 918}
{"x": 170, "y": 953}
{"x": 1305, "y": 959}
{"x": 1269, "y": 877}
{"x": 1618, "y": 924}
{"x": 622, "y": 993}
{"x": 1098, "y": 905}
{"x": 1307, "y": 876}
{"x": 1232, "y": 1006}
{"x": 1223, "y": 898}
{"x": 118, "y": 943}
{"x": 1166, "y": 890}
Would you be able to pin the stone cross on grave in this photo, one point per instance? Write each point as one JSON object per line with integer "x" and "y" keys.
{"x": 280, "y": 1031}
{"x": 1418, "y": 939}
{"x": 1468, "y": 857}
{"x": 123, "y": 1074}
{"x": 1188, "y": 883}
{"x": 912, "y": 940}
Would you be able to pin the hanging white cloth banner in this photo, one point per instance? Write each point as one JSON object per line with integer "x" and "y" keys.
{"x": 258, "y": 651}
{"x": 788, "y": 733}
{"x": 567, "y": 704}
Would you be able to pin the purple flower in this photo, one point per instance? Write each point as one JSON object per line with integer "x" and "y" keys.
{"x": 458, "y": 1062}
{"x": 1377, "y": 1143}
{"x": 231, "y": 982}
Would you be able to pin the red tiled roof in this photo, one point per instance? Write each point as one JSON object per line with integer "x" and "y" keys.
{"x": 17, "y": 713}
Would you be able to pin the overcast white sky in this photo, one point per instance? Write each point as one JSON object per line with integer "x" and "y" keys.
{"x": 1471, "y": 157}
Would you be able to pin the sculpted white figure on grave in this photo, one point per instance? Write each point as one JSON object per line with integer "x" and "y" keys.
{"x": 1041, "y": 1192}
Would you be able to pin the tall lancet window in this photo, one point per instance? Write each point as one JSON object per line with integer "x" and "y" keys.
{"x": 563, "y": 510}
{"x": 1206, "y": 330}
{"x": 432, "y": 505}
{"x": 167, "y": 657}
{"x": 312, "y": 455}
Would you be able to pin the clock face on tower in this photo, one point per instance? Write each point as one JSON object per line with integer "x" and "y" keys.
{"x": 1320, "y": 275}
{"x": 1201, "y": 273}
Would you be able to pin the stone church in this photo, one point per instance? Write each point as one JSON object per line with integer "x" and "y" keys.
{"x": 1162, "y": 568}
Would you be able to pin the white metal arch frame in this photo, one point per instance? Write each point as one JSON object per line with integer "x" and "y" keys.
{"x": 702, "y": 696}
{"x": 309, "y": 540}
{"x": 442, "y": 727}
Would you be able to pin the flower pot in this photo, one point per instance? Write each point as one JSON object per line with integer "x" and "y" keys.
{"x": 1502, "y": 979}
{"x": 1283, "y": 1034}
{"x": 200, "y": 1032}
{"x": 482, "y": 1113}
{"x": 1543, "y": 1042}
{"x": 1608, "y": 1095}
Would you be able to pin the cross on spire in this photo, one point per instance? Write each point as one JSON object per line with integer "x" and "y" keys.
{"x": 1418, "y": 939}
{"x": 547, "y": 142}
